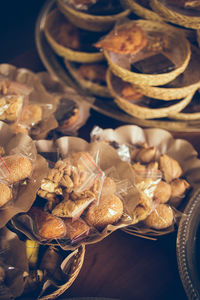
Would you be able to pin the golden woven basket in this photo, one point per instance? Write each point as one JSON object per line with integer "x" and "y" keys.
{"x": 179, "y": 40}
{"x": 175, "y": 17}
{"x": 141, "y": 11}
{"x": 142, "y": 112}
{"x": 88, "y": 21}
{"x": 184, "y": 116}
{"x": 52, "y": 20}
{"x": 78, "y": 258}
{"x": 89, "y": 86}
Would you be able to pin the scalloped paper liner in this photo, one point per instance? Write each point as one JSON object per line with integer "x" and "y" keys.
{"x": 179, "y": 149}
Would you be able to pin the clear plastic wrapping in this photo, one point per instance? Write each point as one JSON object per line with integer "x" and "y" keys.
{"x": 86, "y": 195}
{"x": 159, "y": 178}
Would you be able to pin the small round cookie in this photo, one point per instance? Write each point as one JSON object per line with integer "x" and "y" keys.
{"x": 161, "y": 218}
{"x": 18, "y": 168}
{"x": 162, "y": 192}
{"x": 5, "y": 194}
{"x": 108, "y": 211}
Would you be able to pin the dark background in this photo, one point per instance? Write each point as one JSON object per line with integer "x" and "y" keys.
{"x": 17, "y": 26}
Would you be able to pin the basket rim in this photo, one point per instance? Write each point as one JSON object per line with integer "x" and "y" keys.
{"x": 152, "y": 79}
{"x": 142, "y": 11}
{"x": 93, "y": 87}
{"x": 65, "y": 52}
{"x": 96, "y": 18}
{"x": 175, "y": 17}
{"x": 79, "y": 255}
{"x": 143, "y": 112}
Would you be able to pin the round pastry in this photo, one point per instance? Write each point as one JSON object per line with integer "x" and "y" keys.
{"x": 108, "y": 211}
{"x": 48, "y": 226}
{"x": 162, "y": 192}
{"x": 5, "y": 194}
{"x": 160, "y": 218}
{"x": 17, "y": 168}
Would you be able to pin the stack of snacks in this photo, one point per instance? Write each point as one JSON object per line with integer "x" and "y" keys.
{"x": 72, "y": 31}
{"x": 28, "y": 269}
{"x": 80, "y": 201}
{"x": 25, "y": 105}
{"x": 165, "y": 175}
{"x": 144, "y": 55}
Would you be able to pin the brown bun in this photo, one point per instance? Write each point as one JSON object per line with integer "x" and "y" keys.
{"x": 31, "y": 115}
{"x": 48, "y": 226}
{"x": 18, "y": 167}
{"x": 5, "y": 194}
{"x": 160, "y": 218}
{"x": 162, "y": 192}
{"x": 108, "y": 211}
{"x": 75, "y": 228}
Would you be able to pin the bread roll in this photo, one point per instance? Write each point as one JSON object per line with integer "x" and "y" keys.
{"x": 18, "y": 168}
{"x": 108, "y": 211}
{"x": 48, "y": 226}
{"x": 160, "y": 218}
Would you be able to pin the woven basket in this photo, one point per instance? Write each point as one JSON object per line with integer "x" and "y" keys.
{"x": 179, "y": 40}
{"x": 173, "y": 16}
{"x": 67, "y": 53}
{"x": 141, "y": 11}
{"x": 78, "y": 258}
{"x": 184, "y": 116}
{"x": 88, "y": 21}
{"x": 89, "y": 86}
{"x": 144, "y": 112}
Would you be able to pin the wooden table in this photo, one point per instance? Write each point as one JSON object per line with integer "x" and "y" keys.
{"x": 122, "y": 266}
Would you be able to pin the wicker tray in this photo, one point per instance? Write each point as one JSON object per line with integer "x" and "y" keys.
{"x": 90, "y": 22}
{"x": 180, "y": 60}
{"x": 179, "y": 16}
{"x": 67, "y": 53}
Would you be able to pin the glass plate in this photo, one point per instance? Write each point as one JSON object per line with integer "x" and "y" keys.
{"x": 56, "y": 67}
{"x": 188, "y": 248}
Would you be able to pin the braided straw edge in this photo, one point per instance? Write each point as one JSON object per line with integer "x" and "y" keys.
{"x": 143, "y": 112}
{"x": 94, "y": 88}
{"x": 76, "y": 267}
{"x": 142, "y": 11}
{"x": 150, "y": 79}
{"x": 90, "y": 22}
{"x": 175, "y": 17}
{"x": 66, "y": 52}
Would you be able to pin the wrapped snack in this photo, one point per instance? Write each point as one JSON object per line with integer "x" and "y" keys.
{"x": 35, "y": 113}
{"x": 161, "y": 167}
{"x": 12, "y": 99}
{"x": 84, "y": 194}
{"x": 72, "y": 111}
